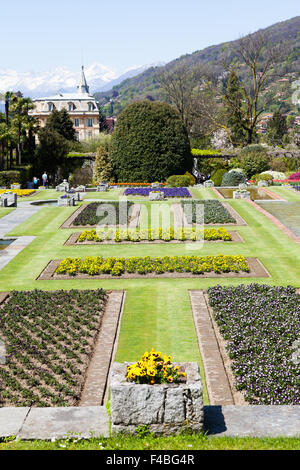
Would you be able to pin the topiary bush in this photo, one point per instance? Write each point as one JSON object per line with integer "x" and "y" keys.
{"x": 192, "y": 178}
{"x": 233, "y": 178}
{"x": 149, "y": 143}
{"x": 217, "y": 176}
{"x": 178, "y": 181}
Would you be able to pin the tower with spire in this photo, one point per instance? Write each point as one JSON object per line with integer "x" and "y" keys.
{"x": 83, "y": 86}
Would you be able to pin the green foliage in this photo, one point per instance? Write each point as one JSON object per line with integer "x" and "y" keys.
{"x": 26, "y": 173}
{"x": 9, "y": 177}
{"x": 178, "y": 181}
{"x": 254, "y": 162}
{"x": 233, "y": 104}
{"x": 262, "y": 177}
{"x": 192, "y": 178}
{"x": 277, "y": 129}
{"x": 51, "y": 151}
{"x": 233, "y": 178}
{"x": 61, "y": 122}
{"x": 217, "y": 176}
{"x": 103, "y": 168}
{"x": 201, "y": 152}
{"x": 149, "y": 143}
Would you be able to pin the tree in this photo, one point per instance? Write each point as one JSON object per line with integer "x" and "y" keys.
{"x": 61, "y": 122}
{"x": 258, "y": 58}
{"x": 277, "y": 129}
{"x": 149, "y": 143}
{"x": 103, "y": 168}
{"x": 21, "y": 122}
{"x": 233, "y": 104}
{"x": 51, "y": 151}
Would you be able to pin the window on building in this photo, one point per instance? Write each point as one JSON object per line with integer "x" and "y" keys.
{"x": 91, "y": 106}
{"x": 76, "y": 122}
{"x": 50, "y": 106}
{"x": 90, "y": 135}
{"x": 71, "y": 106}
{"x": 90, "y": 122}
{"x": 77, "y": 135}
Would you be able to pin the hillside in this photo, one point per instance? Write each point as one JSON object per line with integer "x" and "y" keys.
{"x": 146, "y": 86}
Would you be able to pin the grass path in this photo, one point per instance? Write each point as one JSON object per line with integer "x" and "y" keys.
{"x": 286, "y": 193}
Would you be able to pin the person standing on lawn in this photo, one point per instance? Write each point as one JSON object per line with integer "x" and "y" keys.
{"x": 45, "y": 179}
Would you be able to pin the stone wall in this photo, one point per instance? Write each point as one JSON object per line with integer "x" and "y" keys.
{"x": 166, "y": 408}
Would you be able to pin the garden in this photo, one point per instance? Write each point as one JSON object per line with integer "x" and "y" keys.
{"x": 46, "y": 361}
{"x": 261, "y": 326}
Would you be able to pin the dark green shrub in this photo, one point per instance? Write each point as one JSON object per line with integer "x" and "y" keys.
{"x": 192, "y": 178}
{"x": 217, "y": 176}
{"x": 9, "y": 177}
{"x": 178, "y": 181}
{"x": 233, "y": 178}
{"x": 254, "y": 160}
{"x": 264, "y": 177}
{"x": 149, "y": 143}
{"x": 26, "y": 173}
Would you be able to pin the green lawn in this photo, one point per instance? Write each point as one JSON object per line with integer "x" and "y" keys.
{"x": 181, "y": 442}
{"x": 5, "y": 210}
{"x": 286, "y": 193}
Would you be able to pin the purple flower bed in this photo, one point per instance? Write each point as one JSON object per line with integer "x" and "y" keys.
{"x": 261, "y": 325}
{"x": 168, "y": 192}
{"x": 297, "y": 188}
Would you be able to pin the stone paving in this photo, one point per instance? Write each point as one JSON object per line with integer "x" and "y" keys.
{"x": 88, "y": 421}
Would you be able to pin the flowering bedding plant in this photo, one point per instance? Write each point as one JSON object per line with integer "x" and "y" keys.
{"x": 168, "y": 192}
{"x": 18, "y": 192}
{"x": 214, "y": 212}
{"x": 261, "y": 325}
{"x": 91, "y": 213}
{"x": 145, "y": 264}
{"x": 191, "y": 234}
{"x": 154, "y": 368}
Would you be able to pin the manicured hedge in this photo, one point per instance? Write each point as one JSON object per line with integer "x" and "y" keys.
{"x": 9, "y": 177}
{"x": 261, "y": 325}
{"x": 149, "y": 143}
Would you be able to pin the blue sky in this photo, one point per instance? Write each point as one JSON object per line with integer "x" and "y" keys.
{"x": 39, "y": 35}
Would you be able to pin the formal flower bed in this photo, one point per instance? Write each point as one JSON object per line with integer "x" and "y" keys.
{"x": 48, "y": 338}
{"x": 154, "y": 368}
{"x": 159, "y": 265}
{"x": 214, "y": 212}
{"x": 166, "y": 235}
{"x": 261, "y": 325}
{"x": 133, "y": 184}
{"x": 168, "y": 192}
{"x": 93, "y": 214}
{"x": 18, "y": 192}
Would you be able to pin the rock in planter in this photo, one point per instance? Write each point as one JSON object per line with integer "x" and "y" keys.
{"x": 166, "y": 408}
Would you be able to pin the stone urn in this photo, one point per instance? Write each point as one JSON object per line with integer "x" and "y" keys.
{"x": 209, "y": 184}
{"x": 165, "y": 408}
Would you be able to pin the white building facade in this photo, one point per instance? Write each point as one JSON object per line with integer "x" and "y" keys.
{"x": 81, "y": 106}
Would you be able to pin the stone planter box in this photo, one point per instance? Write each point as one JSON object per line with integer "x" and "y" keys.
{"x": 156, "y": 195}
{"x": 166, "y": 408}
{"x": 15, "y": 186}
{"x": 155, "y": 185}
{"x": 102, "y": 187}
{"x": 241, "y": 195}
{"x": 64, "y": 186}
{"x": 209, "y": 184}
{"x": 8, "y": 200}
{"x": 262, "y": 184}
{"x": 66, "y": 201}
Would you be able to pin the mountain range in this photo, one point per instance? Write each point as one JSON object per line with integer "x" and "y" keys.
{"x": 62, "y": 80}
{"x": 146, "y": 84}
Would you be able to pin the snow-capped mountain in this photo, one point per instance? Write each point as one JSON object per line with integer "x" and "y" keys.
{"x": 62, "y": 80}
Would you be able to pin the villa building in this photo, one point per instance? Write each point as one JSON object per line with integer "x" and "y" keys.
{"x": 81, "y": 106}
